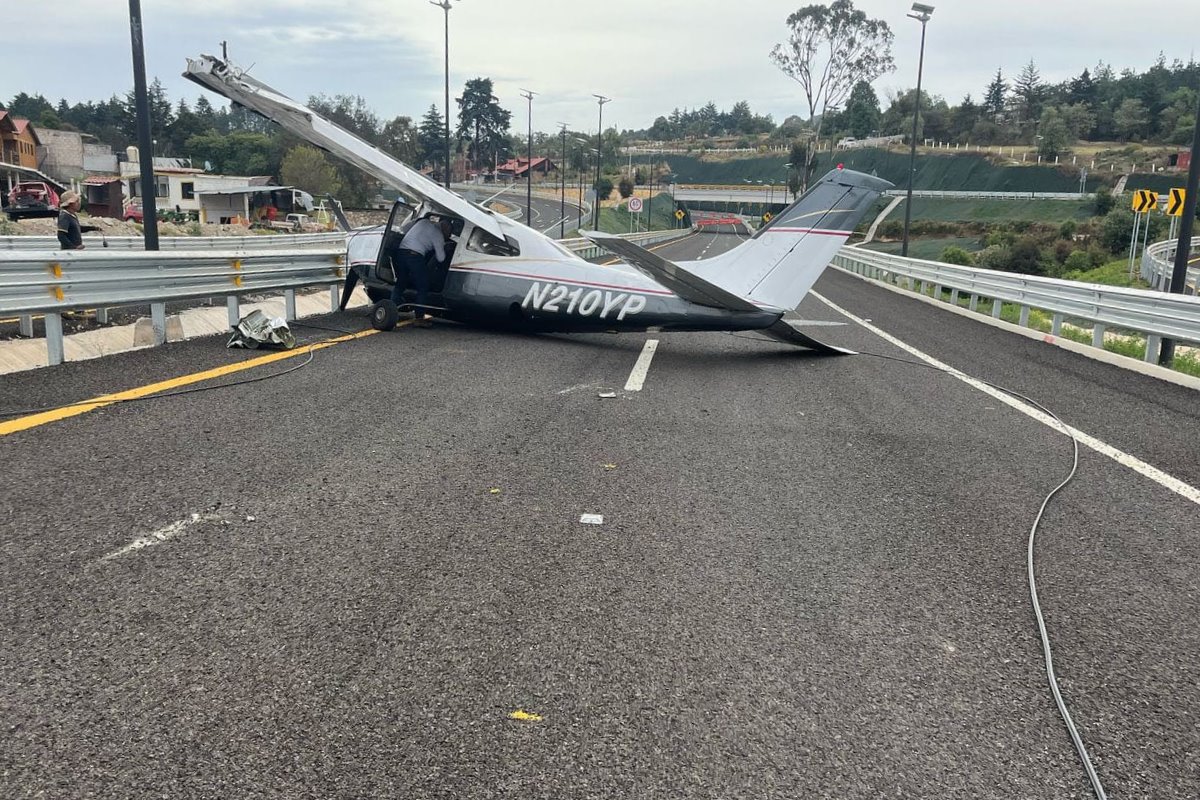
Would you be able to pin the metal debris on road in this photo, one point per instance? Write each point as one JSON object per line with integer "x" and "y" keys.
{"x": 592, "y": 519}
{"x": 256, "y": 329}
{"x": 607, "y": 395}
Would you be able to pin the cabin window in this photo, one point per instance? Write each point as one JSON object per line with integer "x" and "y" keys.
{"x": 188, "y": 190}
{"x": 483, "y": 242}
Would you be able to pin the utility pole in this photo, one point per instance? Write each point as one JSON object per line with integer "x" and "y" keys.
{"x": 562, "y": 179}
{"x": 528, "y": 95}
{"x": 445, "y": 6}
{"x": 599, "y": 159}
{"x": 145, "y": 143}
{"x": 921, "y": 13}
{"x": 1166, "y": 353}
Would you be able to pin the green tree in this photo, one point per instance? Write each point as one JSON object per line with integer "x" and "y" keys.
{"x": 1054, "y": 138}
{"x": 994, "y": 97}
{"x": 1028, "y": 92}
{"x": 862, "y": 113}
{"x": 482, "y": 121}
{"x": 1078, "y": 119}
{"x": 431, "y": 133}
{"x": 831, "y": 48}
{"x": 625, "y": 187}
{"x": 402, "y": 139}
{"x": 603, "y": 188}
{"x": 307, "y": 168}
{"x": 1131, "y": 119}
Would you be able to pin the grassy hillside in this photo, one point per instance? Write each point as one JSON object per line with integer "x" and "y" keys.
{"x": 617, "y": 220}
{"x": 950, "y": 210}
{"x": 963, "y": 171}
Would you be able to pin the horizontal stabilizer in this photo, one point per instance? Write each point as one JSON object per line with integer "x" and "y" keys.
{"x": 785, "y": 331}
{"x": 687, "y": 285}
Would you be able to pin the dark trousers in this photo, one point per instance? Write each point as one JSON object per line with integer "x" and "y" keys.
{"x": 411, "y": 270}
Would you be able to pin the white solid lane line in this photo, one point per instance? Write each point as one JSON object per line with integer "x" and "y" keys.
{"x": 638, "y": 376}
{"x": 1167, "y": 481}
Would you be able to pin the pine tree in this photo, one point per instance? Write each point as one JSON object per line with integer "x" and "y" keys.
{"x": 1029, "y": 90}
{"x": 432, "y": 135}
{"x": 994, "y": 95}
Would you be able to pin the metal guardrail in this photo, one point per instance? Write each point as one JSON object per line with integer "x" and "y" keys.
{"x": 973, "y": 195}
{"x": 55, "y": 282}
{"x": 272, "y": 241}
{"x": 585, "y": 249}
{"x": 1158, "y": 266}
{"x": 51, "y": 282}
{"x": 1154, "y": 314}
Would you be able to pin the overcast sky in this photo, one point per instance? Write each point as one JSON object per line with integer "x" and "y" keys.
{"x": 650, "y": 56}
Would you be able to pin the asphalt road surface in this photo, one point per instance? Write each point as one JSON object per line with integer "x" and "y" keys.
{"x": 369, "y": 577}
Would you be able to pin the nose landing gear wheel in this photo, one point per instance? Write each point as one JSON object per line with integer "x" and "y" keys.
{"x": 384, "y": 316}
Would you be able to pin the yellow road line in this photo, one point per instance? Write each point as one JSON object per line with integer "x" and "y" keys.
{"x": 75, "y": 409}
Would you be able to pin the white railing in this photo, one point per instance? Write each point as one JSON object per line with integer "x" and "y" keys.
{"x": 272, "y": 241}
{"x": 982, "y": 195}
{"x": 1154, "y": 314}
{"x": 1158, "y": 266}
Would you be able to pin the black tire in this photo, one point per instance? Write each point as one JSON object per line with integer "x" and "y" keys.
{"x": 384, "y": 316}
{"x": 376, "y": 295}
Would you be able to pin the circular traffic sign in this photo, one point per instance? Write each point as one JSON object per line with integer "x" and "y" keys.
{"x": 635, "y": 204}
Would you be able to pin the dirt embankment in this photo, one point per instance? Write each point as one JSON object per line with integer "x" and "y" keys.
{"x": 47, "y": 226}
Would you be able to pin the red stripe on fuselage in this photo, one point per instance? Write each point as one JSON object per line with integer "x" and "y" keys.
{"x": 553, "y": 279}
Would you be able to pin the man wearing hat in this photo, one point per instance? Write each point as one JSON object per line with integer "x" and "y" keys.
{"x": 70, "y": 237}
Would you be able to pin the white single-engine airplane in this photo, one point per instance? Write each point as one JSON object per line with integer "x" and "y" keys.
{"x": 500, "y": 272}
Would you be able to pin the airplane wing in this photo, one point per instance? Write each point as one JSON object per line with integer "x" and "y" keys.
{"x": 688, "y": 285}
{"x": 229, "y": 81}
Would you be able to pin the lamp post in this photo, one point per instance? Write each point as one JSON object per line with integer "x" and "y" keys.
{"x": 528, "y": 95}
{"x": 562, "y": 180}
{"x": 445, "y": 6}
{"x": 922, "y": 13}
{"x": 599, "y": 158}
{"x": 145, "y": 143}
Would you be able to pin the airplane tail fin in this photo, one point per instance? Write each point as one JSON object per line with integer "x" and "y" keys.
{"x": 782, "y": 261}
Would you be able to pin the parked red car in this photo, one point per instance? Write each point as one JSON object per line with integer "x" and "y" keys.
{"x": 32, "y": 199}
{"x": 133, "y": 213}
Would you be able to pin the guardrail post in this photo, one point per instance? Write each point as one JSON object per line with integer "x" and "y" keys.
{"x": 54, "y": 338}
{"x": 25, "y": 326}
{"x": 231, "y": 306}
{"x": 997, "y": 307}
{"x": 1056, "y": 325}
{"x": 974, "y": 302}
{"x": 1024, "y": 316}
{"x": 158, "y": 321}
{"x": 102, "y": 316}
{"x": 1153, "y": 343}
{"x": 289, "y": 304}
{"x": 954, "y": 297}
{"x": 1098, "y": 336}
{"x": 334, "y": 298}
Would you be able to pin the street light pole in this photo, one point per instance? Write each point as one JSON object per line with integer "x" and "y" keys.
{"x": 922, "y": 15}
{"x": 445, "y": 6}
{"x": 528, "y": 95}
{"x": 562, "y": 180}
{"x": 145, "y": 143}
{"x": 599, "y": 159}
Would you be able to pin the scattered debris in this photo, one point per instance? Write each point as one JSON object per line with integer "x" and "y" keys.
{"x": 494, "y": 491}
{"x": 610, "y": 466}
{"x": 608, "y": 395}
{"x": 257, "y": 329}
{"x": 525, "y": 716}
{"x": 592, "y": 519}
{"x": 251, "y": 518}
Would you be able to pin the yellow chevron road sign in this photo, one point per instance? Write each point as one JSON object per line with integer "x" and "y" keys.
{"x": 1144, "y": 200}
{"x": 1175, "y": 203}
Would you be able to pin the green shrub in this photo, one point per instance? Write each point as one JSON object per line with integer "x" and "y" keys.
{"x": 956, "y": 255}
{"x": 1079, "y": 261}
